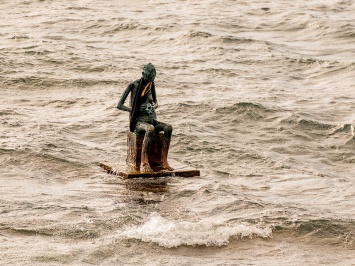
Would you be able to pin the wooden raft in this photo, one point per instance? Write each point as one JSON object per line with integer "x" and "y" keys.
{"x": 134, "y": 149}
{"x": 179, "y": 170}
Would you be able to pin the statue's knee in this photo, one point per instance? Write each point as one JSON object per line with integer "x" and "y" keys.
{"x": 169, "y": 128}
{"x": 150, "y": 130}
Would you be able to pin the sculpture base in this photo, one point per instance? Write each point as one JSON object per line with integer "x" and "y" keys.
{"x": 134, "y": 152}
{"x": 124, "y": 172}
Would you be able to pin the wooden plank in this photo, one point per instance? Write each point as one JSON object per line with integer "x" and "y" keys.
{"x": 179, "y": 170}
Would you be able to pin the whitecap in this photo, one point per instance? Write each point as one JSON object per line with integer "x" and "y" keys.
{"x": 168, "y": 233}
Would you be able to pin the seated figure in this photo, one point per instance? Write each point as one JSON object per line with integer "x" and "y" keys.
{"x": 143, "y": 119}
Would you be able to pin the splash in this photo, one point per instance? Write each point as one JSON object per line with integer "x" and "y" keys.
{"x": 171, "y": 234}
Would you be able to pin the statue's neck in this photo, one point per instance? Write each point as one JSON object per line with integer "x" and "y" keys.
{"x": 145, "y": 82}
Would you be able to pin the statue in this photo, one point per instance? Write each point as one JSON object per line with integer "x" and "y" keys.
{"x": 148, "y": 139}
{"x": 143, "y": 119}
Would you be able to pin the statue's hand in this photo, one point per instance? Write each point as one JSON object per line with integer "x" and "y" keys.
{"x": 155, "y": 105}
{"x": 147, "y": 107}
{"x": 143, "y": 107}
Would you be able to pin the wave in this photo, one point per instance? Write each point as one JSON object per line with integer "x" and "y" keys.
{"x": 237, "y": 40}
{"x": 245, "y": 106}
{"x": 306, "y": 123}
{"x": 312, "y": 61}
{"x": 199, "y": 34}
{"x": 51, "y": 155}
{"x": 325, "y": 227}
{"x": 171, "y": 234}
{"x": 77, "y": 8}
{"x": 37, "y": 82}
{"x": 332, "y": 231}
{"x": 343, "y": 128}
{"x": 249, "y": 109}
{"x": 20, "y": 37}
{"x": 133, "y": 25}
{"x": 9, "y": 112}
{"x": 314, "y": 124}
{"x": 27, "y": 232}
{"x": 193, "y": 105}
{"x": 76, "y": 231}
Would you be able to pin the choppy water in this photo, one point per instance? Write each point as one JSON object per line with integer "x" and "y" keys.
{"x": 261, "y": 95}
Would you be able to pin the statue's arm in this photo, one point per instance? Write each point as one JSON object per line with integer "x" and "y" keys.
{"x": 154, "y": 96}
{"x": 124, "y": 96}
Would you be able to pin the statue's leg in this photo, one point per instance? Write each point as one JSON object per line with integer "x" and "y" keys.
{"x": 147, "y": 141}
{"x": 168, "y": 129}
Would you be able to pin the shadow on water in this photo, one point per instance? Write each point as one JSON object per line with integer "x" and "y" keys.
{"x": 148, "y": 184}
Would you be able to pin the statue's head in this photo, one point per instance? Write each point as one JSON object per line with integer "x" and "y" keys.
{"x": 149, "y": 72}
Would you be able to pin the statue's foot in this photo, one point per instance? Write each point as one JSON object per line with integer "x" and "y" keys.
{"x": 145, "y": 168}
{"x": 166, "y": 166}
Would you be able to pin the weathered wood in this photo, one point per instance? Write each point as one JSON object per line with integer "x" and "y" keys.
{"x": 180, "y": 170}
{"x": 133, "y": 161}
{"x": 134, "y": 152}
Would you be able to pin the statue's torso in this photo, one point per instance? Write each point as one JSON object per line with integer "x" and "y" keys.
{"x": 146, "y": 115}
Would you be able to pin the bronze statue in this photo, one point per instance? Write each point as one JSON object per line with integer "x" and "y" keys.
{"x": 143, "y": 119}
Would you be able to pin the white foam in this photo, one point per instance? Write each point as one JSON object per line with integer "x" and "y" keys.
{"x": 170, "y": 234}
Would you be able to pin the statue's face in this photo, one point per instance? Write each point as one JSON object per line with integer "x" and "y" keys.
{"x": 149, "y": 72}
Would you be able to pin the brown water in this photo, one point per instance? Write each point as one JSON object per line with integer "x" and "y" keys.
{"x": 261, "y": 95}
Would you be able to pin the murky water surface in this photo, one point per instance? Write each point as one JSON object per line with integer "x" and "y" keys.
{"x": 261, "y": 95}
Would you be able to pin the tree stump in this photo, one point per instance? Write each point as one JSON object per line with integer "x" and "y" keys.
{"x": 134, "y": 152}
{"x": 133, "y": 161}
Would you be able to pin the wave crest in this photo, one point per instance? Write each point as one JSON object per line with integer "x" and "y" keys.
{"x": 171, "y": 234}
{"x": 248, "y": 109}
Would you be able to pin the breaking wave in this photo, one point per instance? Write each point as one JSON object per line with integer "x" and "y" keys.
{"x": 171, "y": 234}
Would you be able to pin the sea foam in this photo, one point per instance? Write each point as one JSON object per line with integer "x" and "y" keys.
{"x": 168, "y": 233}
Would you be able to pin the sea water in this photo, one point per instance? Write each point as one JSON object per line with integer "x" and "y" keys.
{"x": 261, "y": 96}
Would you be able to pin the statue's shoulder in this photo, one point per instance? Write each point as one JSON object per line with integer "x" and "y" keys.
{"x": 134, "y": 84}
